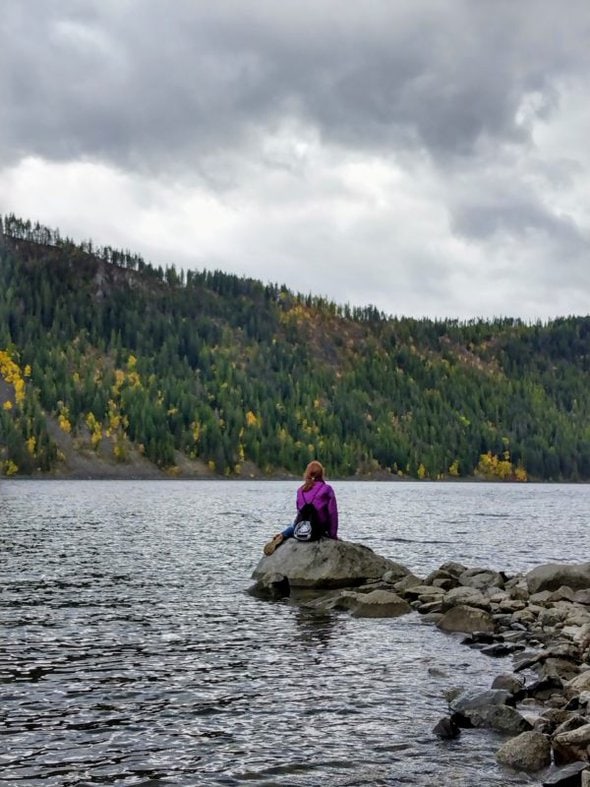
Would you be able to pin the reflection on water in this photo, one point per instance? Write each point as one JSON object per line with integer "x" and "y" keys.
{"x": 132, "y": 655}
{"x": 314, "y": 630}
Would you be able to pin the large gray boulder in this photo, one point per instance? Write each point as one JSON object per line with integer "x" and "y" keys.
{"x": 529, "y": 751}
{"x": 551, "y": 576}
{"x": 327, "y": 564}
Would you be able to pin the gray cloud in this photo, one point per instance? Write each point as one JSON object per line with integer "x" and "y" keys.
{"x": 429, "y": 157}
{"x": 514, "y": 214}
{"x": 161, "y": 85}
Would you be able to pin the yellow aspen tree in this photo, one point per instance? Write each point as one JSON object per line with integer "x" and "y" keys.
{"x": 63, "y": 419}
{"x": 454, "y": 468}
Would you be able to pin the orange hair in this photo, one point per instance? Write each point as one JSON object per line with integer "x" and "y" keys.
{"x": 313, "y": 472}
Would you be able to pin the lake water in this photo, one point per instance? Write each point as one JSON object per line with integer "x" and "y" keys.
{"x": 131, "y": 654}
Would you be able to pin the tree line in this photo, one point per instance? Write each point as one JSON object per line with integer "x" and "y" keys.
{"x": 125, "y": 357}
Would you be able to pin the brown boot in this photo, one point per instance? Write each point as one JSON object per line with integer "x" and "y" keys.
{"x": 273, "y": 544}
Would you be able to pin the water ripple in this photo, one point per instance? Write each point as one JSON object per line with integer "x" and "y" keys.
{"x": 132, "y": 656}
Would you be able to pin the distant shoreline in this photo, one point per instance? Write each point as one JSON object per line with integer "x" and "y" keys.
{"x": 270, "y": 479}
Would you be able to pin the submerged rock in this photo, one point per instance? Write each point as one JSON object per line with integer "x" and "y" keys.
{"x": 327, "y": 564}
{"x": 447, "y": 729}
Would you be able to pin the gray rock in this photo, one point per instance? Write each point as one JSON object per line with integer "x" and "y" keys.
{"x": 571, "y": 746}
{"x": 529, "y": 751}
{"x": 481, "y": 579}
{"x": 501, "y": 718}
{"x": 455, "y": 692}
{"x": 570, "y": 776}
{"x": 518, "y": 588}
{"x": 560, "y": 668}
{"x": 401, "y": 585}
{"x": 512, "y": 683}
{"x": 578, "y": 684}
{"x": 431, "y": 606}
{"x": 577, "y": 616}
{"x": 467, "y": 701}
{"x": 500, "y": 649}
{"x": 446, "y": 729}
{"x": 552, "y": 616}
{"x": 452, "y": 568}
{"x": 502, "y": 621}
{"x": 551, "y": 576}
{"x": 326, "y": 564}
{"x": 466, "y": 619}
{"x": 555, "y": 717}
{"x": 432, "y": 617}
{"x": 377, "y": 604}
{"x": 542, "y": 597}
{"x": 418, "y": 591}
{"x": 545, "y": 688}
{"x": 438, "y": 575}
{"x": 470, "y": 597}
{"x": 271, "y": 586}
{"x": 445, "y": 584}
{"x": 558, "y": 700}
{"x": 514, "y": 605}
{"x": 524, "y": 617}
{"x": 582, "y": 597}
{"x": 573, "y": 722}
{"x": 374, "y": 585}
{"x": 481, "y": 638}
{"x": 564, "y": 650}
{"x": 563, "y": 593}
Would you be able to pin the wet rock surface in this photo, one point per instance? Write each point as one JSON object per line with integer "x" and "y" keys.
{"x": 529, "y": 751}
{"x": 326, "y": 563}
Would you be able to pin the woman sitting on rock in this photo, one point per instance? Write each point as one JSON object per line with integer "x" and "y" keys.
{"x": 314, "y": 492}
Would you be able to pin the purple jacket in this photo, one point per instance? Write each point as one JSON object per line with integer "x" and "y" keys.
{"x": 322, "y": 497}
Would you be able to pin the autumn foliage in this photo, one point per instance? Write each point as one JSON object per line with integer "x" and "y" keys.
{"x": 108, "y": 353}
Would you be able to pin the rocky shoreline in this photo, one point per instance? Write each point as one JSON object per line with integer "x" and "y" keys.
{"x": 541, "y": 619}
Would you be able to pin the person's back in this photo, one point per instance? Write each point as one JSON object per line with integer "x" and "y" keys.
{"x": 316, "y": 492}
{"x": 322, "y": 497}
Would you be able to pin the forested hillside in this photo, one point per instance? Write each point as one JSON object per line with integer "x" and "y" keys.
{"x": 102, "y": 354}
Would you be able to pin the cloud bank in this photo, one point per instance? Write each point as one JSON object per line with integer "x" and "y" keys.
{"x": 426, "y": 157}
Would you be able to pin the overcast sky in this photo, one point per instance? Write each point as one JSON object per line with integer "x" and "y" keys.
{"x": 429, "y": 157}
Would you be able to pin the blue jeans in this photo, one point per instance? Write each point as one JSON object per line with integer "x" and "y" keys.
{"x": 288, "y": 531}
